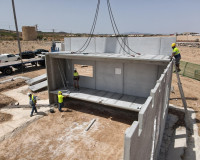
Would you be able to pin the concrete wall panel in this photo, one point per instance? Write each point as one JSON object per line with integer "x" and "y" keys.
{"x": 166, "y": 42}
{"x": 67, "y": 43}
{"x": 139, "y": 79}
{"x": 151, "y": 123}
{"x": 107, "y": 45}
{"x": 143, "y": 45}
{"x": 106, "y": 77}
{"x": 77, "y": 44}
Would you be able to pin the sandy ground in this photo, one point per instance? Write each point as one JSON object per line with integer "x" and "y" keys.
{"x": 63, "y": 135}
{"x": 12, "y": 46}
{"x": 190, "y": 54}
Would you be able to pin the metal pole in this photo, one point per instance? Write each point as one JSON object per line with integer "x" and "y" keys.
{"x": 15, "y": 18}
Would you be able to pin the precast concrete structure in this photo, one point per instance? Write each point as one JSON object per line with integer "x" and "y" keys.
{"x": 112, "y": 77}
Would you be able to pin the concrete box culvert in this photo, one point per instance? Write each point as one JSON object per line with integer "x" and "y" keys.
{"x": 116, "y": 79}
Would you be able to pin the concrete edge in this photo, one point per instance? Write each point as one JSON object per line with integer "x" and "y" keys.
{"x": 18, "y": 129}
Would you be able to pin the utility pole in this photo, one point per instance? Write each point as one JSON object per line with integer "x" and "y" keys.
{"x": 15, "y": 18}
{"x": 53, "y": 34}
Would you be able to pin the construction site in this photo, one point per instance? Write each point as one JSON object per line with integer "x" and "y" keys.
{"x": 127, "y": 101}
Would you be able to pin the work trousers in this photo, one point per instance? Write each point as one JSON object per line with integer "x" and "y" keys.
{"x": 60, "y": 105}
{"x": 33, "y": 109}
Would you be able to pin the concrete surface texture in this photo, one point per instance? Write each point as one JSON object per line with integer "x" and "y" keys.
{"x": 148, "y": 131}
{"x": 37, "y": 79}
{"x": 177, "y": 144}
{"x": 143, "y": 45}
{"x": 106, "y": 98}
{"x": 18, "y": 95}
{"x": 20, "y": 114}
{"x": 38, "y": 86}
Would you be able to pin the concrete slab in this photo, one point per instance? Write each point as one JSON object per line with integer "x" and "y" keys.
{"x": 38, "y": 86}
{"x": 37, "y": 79}
{"x": 106, "y": 98}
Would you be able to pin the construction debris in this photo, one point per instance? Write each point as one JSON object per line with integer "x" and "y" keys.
{"x": 91, "y": 123}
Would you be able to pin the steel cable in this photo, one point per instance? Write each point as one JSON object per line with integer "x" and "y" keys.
{"x": 91, "y": 31}
{"x": 114, "y": 24}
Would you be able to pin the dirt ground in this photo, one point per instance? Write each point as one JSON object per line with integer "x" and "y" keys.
{"x": 190, "y": 54}
{"x": 63, "y": 136}
{"x": 5, "y": 117}
{"x": 12, "y": 46}
{"x": 5, "y": 100}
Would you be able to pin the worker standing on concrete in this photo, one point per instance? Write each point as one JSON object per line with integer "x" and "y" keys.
{"x": 60, "y": 101}
{"x": 176, "y": 54}
{"x": 32, "y": 102}
{"x": 76, "y": 79}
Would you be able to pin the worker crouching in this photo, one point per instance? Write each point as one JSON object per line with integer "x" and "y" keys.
{"x": 32, "y": 102}
{"x": 176, "y": 54}
{"x": 76, "y": 80}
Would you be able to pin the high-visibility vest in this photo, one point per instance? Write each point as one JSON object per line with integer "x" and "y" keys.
{"x": 32, "y": 100}
{"x": 75, "y": 74}
{"x": 176, "y": 51}
{"x": 60, "y": 98}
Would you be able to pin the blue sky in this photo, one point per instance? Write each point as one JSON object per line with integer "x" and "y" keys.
{"x": 146, "y": 16}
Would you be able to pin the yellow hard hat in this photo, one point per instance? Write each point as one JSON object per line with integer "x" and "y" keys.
{"x": 173, "y": 44}
{"x": 59, "y": 92}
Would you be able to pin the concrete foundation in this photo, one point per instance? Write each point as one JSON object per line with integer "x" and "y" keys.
{"x": 139, "y": 83}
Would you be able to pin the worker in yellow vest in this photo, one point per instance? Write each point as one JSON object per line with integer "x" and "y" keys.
{"x": 60, "y": 101}
{"x": 176, "y": 54}
{"x": 32, "y": 102}
{"x": 76, "y": 79}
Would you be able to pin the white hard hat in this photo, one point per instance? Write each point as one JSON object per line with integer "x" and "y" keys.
{"x": 28, "y": 94}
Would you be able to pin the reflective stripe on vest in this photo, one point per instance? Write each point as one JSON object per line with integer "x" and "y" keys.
{"x": 60, "y": 98}
{"x": 75, "y": 74}
{"x": 176, "y": 51}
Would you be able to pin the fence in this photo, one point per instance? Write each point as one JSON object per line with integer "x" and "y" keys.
{"x": 190, "y": 70}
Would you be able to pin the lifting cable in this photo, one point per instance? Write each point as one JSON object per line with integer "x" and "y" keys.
{"x": 87, "y": 42}
{"x": 115, "y": 28}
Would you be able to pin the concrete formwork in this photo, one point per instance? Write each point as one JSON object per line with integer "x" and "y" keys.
{"x": 140, "y": 83}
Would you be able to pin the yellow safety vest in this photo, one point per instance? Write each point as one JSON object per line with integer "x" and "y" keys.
{"x": 60, "y": 98}
{"x": 34, "y": 101}
{"x": 75, "y": 74}
{"x": 176, "y": 51}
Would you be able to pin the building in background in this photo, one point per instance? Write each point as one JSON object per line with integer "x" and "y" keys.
{"x": 29, "y": 33}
